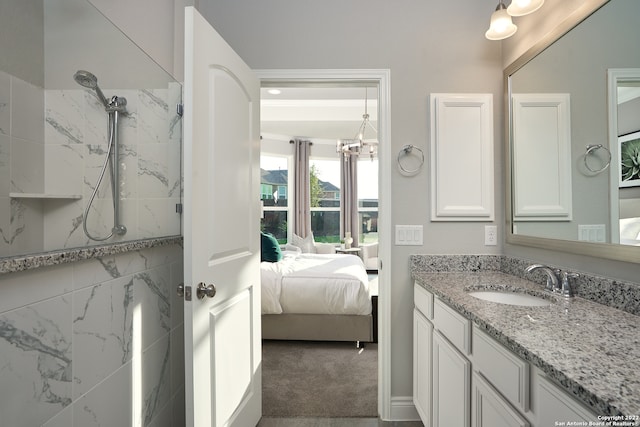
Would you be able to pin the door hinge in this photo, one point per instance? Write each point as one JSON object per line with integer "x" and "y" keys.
{"x": 180, "y": 109}
{"x": 179, "y": 208}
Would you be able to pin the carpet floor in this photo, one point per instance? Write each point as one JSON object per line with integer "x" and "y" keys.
{"x": 319, "y": 379}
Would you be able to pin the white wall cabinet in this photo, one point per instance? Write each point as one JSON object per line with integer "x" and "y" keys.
{"x": 542, "y": 157}
{"x": 462, "y": 184}
{"x": 456, "y": 385}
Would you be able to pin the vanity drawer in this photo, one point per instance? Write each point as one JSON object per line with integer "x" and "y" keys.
{"x": 423, "y": 301}
{"x": 505, "y": 371}
{"x": 454, "y": 326}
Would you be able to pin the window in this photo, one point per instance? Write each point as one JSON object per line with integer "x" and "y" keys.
{"x": 325, "y": 198}
{"x": 274, "y": 194}
{"x": 368, "y": 199}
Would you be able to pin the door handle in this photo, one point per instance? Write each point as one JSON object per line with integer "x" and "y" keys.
{"x": 205, "y": 291}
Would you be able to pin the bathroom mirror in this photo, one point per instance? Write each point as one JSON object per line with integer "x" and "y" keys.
{"x": 568, "y": 101}
{"x": 72, "y": 88}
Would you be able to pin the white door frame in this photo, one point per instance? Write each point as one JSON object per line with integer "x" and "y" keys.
{"x": 383, "y": 78}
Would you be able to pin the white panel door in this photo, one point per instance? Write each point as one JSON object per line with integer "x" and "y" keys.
{"x": 221, "y": 235}
{"x": 462, "y": 157}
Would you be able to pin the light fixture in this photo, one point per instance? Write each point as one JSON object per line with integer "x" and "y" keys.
{"x": 274, "y": 91}
{"x": 524, "y": 7}
{"x": 501, "y": 25}
{"x": 358, "y": 144}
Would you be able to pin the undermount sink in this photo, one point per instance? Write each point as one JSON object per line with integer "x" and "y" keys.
{"x": 511, "y": 298}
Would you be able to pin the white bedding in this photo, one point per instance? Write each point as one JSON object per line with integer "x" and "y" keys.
{"x": 315, "y": 284}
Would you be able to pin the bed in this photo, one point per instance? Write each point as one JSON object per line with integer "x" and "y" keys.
{"x": 316, "y": 297}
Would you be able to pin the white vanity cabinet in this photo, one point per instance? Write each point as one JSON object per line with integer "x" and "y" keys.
{"x": 457, "y": 385}
{"x": 442, "y": 371}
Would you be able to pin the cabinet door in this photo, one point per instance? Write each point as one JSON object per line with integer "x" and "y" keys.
{"x": 555, "y": 406}
{"x": 490, "y": 409}
{"x": 451, "y": 385}
{"x": 422, "y": 348}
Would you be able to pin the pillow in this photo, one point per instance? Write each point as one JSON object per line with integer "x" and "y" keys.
{"x": 269, "y": 248}
{"x": 307, "y": 245}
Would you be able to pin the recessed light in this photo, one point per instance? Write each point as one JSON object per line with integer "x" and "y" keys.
{"x": 274, "y": 91}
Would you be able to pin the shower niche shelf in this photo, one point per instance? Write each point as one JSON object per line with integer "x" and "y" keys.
{"x": 45, "y": 196}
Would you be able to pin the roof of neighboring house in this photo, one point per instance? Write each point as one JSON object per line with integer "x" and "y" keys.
{"x": 275, "y": 177}
{"x": 279, "y": 177}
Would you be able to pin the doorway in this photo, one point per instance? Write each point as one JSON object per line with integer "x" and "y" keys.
{"x": 356, "y": 80}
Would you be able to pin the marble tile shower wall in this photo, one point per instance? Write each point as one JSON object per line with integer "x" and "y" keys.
{"x": 94, "y": 343}
{"x": 70, "y": 143}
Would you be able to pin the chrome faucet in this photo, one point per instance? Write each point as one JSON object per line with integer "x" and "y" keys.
{"x": 553, "y": 284}
{"x": 566, "y": 283}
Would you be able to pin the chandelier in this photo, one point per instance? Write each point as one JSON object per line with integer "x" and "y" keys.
{"x": 358, "y": 144}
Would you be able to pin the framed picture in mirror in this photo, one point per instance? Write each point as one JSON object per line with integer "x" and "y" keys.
{"x": 629, "y": 159}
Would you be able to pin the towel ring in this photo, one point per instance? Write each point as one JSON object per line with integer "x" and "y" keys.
{"x": 590, "y": 149}
{"x": 405, "y": 151}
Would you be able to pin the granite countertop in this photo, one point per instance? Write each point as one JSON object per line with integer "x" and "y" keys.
{"x": 592, "y": 350}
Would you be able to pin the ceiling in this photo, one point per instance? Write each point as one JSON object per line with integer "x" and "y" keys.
{"x": 319, "y": 112}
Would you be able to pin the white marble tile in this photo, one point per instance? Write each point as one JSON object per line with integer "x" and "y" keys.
{"x": 177, "y": 357}
{"x": 94, "y": 271}
{"x": 164, "y": 417}
{"x": 154, "y": 217}
{"x": 102, "y": 332}
{"x": 95, "y": 156}
{"x": 5, "y": 103}
{"x": 153, "y": 110}
{"x": 27, "y": 111}
{"x": 63, "y": 224}
{"x": 5, "y": 165}
{"x": 129, "y": 218}
{"x": 177, "y": 304}
{"x": 153, "y": 170}
{"x": 27, "y": 166}
{"x": 175, "y": 121}
{"x": 64, "y": 117}
{"x": 100, "y": 218}
{"x": 35, "y": 343}
{"x": 178, "y": 411}
{"x": 64, "y": 418}
{"x": 128, "y": 171}
{"x": 129, "y": 121}
{"x": 64, "y": 168}
{"x": 152, "y": 294}
{"x": 156, "y": 379}
{"x": 108, "y": 404}
{"x": 6, "y": 233}
{"x": 26, "y": 225}
{"x": 32, "y": 286}
{"x": 174, "y": 164}
{"x": 96, "y": 120}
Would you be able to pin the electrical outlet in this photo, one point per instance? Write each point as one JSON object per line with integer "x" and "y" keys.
{"x": 490, "y": 235}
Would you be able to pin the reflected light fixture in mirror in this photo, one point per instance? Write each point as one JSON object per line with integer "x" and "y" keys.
{"x": 501, "y": 25}
{"x": 524, "y": 7}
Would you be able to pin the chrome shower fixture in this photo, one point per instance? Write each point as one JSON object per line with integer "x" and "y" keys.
{"x": 114, "y": 107}
{"x": 90, "y": 81}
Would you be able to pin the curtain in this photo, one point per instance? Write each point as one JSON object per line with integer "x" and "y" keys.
{"x": 349, "y": 197}
{"x": 302, "y": 197}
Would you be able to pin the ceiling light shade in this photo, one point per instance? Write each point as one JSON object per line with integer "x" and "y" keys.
{"x": 524, "y": 7}
{"x": 501, "y": 25}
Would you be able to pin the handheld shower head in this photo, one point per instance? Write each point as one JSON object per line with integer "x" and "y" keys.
{"x": 90, "y": 81}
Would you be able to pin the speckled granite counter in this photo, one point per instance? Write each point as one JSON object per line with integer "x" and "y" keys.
{"x": 590, "y": 349}
{"x": 27, "y": 262}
